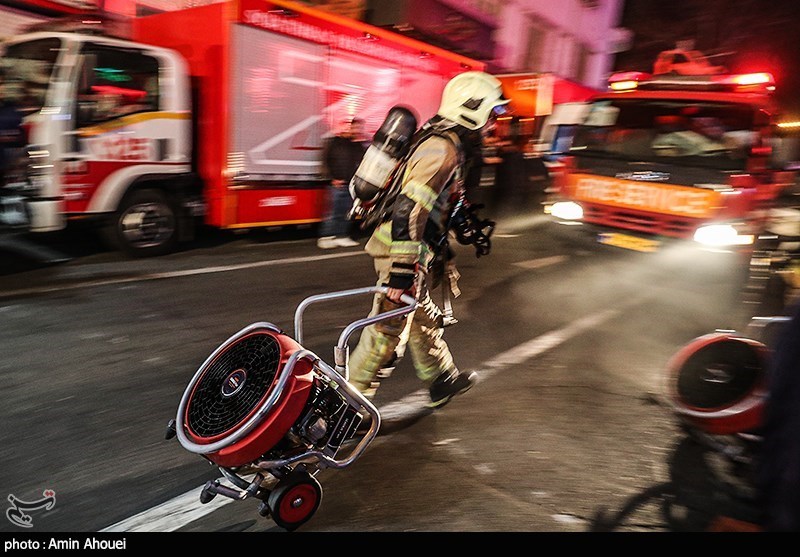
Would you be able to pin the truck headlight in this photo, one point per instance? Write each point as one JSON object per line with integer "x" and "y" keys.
{"x": 721, "y": 235}
{"x": 567, "y": 210}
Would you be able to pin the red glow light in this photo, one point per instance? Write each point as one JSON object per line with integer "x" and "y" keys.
{"x": 759, "y": 78}
{"x": 113, "y": 90}
{"x": 626, "y": 81}
{"x": 629, "y": 76}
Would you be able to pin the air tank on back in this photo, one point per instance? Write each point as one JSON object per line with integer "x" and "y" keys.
{"x": 389, "y": 145}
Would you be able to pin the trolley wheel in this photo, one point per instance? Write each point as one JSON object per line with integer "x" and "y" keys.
{"x": 207, "y": 494}
{"x": 294, "y": 500}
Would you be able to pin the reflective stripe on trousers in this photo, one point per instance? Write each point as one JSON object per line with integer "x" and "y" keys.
{"x": 378, "y": 343}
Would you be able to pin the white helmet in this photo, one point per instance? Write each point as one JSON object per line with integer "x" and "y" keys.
{"x": 470, "y": 97}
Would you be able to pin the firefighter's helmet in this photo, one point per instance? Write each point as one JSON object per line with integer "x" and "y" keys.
{"x": 470, "y": 98}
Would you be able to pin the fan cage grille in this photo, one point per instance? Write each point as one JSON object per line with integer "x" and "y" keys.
{"x": 215, "y": 409}
{"x": 719, "y": 374}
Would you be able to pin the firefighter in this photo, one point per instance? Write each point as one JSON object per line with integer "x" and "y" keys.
{"x": 404, "y": 247}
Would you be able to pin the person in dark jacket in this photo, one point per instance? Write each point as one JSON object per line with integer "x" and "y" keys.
{"x": 511, "y": 180}
{"x": 778, "y": 475}
{"x": 342, "y": 155}
{"x": 11, "y": 134}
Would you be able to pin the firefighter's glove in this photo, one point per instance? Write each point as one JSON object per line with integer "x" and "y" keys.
{"x": 394, "y": 326}
{"x": 402, "y": 276}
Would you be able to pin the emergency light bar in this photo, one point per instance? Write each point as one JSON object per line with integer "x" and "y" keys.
{"x": 752, "y": 82}
{"x": 627, "y": 81}
{"x": 761, "y": 78}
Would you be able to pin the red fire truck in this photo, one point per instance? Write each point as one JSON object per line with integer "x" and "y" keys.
{"x": 666, "y": 157}
{"x": 215, "y": 113}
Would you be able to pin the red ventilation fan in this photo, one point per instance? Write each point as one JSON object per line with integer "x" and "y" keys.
{"x": 263, "y": 406}
{"x": 718, "y": 383}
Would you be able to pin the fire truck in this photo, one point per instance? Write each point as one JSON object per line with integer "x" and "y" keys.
{"x": 670, "y": 157}
{"x": 212, "y": 115}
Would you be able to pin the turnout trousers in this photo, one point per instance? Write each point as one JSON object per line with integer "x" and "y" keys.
{"x": 420, "y": 332}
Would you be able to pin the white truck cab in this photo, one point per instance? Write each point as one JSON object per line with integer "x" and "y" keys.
{"x": 105, "y": 118}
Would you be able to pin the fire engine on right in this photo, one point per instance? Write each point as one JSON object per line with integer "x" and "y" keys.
{"x": 671, "y": 157}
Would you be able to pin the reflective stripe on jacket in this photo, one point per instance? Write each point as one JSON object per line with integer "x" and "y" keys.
{"x": 423, "y": 205}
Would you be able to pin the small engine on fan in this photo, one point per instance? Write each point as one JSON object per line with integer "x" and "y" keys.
{"x": 327, "y": 421}
{"x": 271, "y": 415}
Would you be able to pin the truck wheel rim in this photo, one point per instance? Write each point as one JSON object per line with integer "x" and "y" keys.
{"x": 147, "y": 224}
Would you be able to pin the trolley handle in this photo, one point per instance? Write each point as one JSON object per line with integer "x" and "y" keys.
{"x": 411, "y": 305}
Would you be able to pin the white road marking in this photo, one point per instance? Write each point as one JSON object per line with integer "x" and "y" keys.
{"x": 545, "y": 342}
{"x": 175, "y": 513}
{"x": 445, "y": 442}
{"x": 175, "y": 274}
{"x": 541, "y": 262}
{"x": 568, "y": 519}
{"x": 187, "y": 508}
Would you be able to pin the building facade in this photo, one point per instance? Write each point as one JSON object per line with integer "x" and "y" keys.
{"x": 574, "y": 39}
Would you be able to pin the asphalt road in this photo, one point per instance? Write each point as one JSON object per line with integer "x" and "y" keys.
{"x": 567, "y": 430}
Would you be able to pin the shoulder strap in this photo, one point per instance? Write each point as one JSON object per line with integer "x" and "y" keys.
{"x": 382, "y": 208}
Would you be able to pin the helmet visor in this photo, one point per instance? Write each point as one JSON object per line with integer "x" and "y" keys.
{"x": 499, "y": 109}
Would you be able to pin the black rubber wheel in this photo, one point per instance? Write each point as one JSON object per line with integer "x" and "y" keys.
{"x": 294, "y": 500}
{"x": 206, "y": 496}
{"x": 145, "y": 225}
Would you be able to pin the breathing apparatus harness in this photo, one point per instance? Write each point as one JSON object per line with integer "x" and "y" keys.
{"x": 463, "y": 220}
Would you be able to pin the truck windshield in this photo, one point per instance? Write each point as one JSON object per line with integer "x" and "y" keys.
{"x": 686, "y": 133}
{"x": 26, "y": 68}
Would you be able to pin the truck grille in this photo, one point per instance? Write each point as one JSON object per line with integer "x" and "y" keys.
{"x": 649, "y": 223}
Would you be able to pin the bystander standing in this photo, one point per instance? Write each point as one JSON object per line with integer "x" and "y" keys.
{"x": 342, "y": 155}
{"x": 11, "y": 134}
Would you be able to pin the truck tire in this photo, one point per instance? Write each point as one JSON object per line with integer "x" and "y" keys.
{"x": 145, "y": 225}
